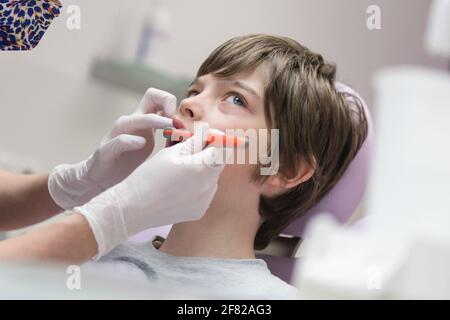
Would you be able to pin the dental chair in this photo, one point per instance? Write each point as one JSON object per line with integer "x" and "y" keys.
{"x": 340, "y": 202}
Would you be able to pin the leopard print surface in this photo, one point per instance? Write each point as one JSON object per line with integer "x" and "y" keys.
{"x": 24, "y": 22}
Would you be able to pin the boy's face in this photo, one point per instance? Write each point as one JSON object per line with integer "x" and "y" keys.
{"x": 235, "y": 102}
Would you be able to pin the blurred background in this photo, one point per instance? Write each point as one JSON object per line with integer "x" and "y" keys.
{"x": 58, "y": 100}
{"x": 54, "y": 109}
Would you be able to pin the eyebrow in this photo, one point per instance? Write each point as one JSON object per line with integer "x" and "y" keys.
{"x": 234, "y": 83}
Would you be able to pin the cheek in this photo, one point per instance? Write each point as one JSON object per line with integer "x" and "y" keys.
{"x": 220, "y": 121}
{"x": 236, "y": 177}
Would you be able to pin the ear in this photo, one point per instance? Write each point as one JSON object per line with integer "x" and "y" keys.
{"x": 281, "y": 182}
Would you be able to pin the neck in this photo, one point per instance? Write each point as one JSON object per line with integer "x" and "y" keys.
{"x": 227, "y": 230}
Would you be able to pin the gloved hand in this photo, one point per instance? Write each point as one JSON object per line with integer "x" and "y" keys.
{"x": 177, "y": 184}
{"x": 123, "y": 149}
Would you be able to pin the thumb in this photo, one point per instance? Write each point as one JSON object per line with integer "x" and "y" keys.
{"x": 212, "y": 157}
{"x": 123, "y": 143}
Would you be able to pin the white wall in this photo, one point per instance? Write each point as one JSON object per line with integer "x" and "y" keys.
{"x": 52, "y": 112}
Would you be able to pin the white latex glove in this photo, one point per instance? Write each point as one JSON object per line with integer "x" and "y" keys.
{"x": 123, "y": 149}
{"x": 177, "y": 184}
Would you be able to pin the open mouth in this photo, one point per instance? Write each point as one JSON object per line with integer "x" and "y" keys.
{"x": 177, "y": 124}
{"x": 170, "y": 142}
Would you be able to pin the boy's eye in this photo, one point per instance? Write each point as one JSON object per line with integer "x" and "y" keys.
{"x": 233, "y": 98}
{"x": 191, "y": 93}
{"x": 236, "y": 99}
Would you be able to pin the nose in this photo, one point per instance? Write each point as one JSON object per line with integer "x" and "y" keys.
{"x": 191, "y": 109}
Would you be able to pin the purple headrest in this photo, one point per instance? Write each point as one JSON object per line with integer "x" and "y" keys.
{"x": 342, "y": 200}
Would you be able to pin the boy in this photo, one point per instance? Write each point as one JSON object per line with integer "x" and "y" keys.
{"x": 255, "y": 82}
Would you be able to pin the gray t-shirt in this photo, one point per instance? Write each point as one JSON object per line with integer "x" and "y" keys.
{"x": 209, "y": 277}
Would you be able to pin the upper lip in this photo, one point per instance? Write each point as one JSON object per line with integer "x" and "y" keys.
{"x": 177, "y": 123}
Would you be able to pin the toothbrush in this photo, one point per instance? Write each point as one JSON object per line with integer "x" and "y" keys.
{"x": 213, "y": 138}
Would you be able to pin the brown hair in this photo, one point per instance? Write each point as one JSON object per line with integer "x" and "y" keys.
{"x": 324, "y": 127}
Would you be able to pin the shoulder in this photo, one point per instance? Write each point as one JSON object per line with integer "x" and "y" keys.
{"x": 133, "y": 260}
{"x": 127, "y": 249}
